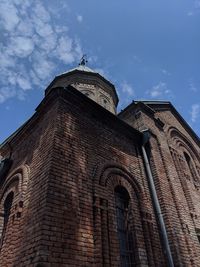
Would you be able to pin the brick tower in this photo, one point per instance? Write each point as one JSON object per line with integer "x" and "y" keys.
{"x": 79, "y": 185}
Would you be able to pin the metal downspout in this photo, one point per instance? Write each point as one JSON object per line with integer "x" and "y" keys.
{"x": 161, "y": 224}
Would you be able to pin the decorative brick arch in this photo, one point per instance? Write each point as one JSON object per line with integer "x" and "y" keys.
{"x": 106, "y": 179}
{"x": 15, "y": 183}
{"x": 103, "y": 173}
{"x": 181, "y": 140}
{"x": 181, "y": 145}
{"x": 184, "y": 146}
{"x": 19, "y": 176}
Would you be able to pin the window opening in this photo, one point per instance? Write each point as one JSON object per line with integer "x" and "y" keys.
{"x": 190, "y": 166}
{"x": 7, "y": 210}
{"x": 124, "y": 234}
{"x": 198, "y": 235}
{"x": 105, "y": 103}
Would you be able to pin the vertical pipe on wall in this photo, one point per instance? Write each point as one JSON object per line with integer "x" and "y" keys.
{"x": 163, "y": 232}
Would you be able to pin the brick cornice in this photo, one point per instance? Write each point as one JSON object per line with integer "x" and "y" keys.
{"x": 73, "y": 96}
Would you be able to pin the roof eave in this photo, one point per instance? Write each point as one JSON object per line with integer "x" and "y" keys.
{"x": 85, "y": 72}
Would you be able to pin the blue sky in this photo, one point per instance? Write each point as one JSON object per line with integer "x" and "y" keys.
{"x": 147, "y": 49}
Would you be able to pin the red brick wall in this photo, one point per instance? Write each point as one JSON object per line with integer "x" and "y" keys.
{"x": 31, "y": 154}
{"x": 76, "y": 153}
{"x": 177, "y": 190}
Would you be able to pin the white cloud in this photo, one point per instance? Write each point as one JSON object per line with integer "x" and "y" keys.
{"x": 24, "y": 83}
{"x": 64, "y": 50}
{"x": 33, "y": 43}
{"x": 9, "y": 15}
{"x": 42, "y": 66}
{"x": 43, "y": 29}
{"x": 192, "y": 87}
{"x": 6, "y": 93}
{"x": 79, "y": 18}
{"x": 20, "y": 46}
{"x": 165, "y": 72}
{"x": 197, "y": 4}
{"x": 127, "y": 89}
{"x": 137, "y": 59}
{"x": 47, "y": 44}
{"x": 190, "y": 13}
{"x": 40, "y": 12}
{"x": 159, "y": 91}
{"x": 195, "y": 8}
{"x": 100, "y": 71}
{"x": 6, "y": 60}
{"x": 7, "y": 107}
{"x": 25, "y": 28}
{"x": 195, "y": 112}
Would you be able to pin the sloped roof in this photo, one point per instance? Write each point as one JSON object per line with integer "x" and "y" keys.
{"x": 80, "y": 68}
{"x": 71, "y": 90}
{"x": 158, "y": 105}
{"x": 86, "y": 69}
{"x": 83, "y": 69}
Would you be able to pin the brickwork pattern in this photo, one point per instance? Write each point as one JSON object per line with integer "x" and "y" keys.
{"x": 75, "y": 158}
{"x": 177, "y": 184}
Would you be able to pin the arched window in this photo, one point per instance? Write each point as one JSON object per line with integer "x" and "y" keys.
{"x": 190, "y": 166}
{"x": 88, "y": 93}
{"x": 6, "y": 213}
{"x": 105, "y": 102}
{"x": 122, "y": 200}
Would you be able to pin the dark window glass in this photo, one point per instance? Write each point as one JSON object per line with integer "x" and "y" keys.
{"x": 198, "y": 234}
{"x": 7, "y": 209}
{"x": 124, "y": 234}
{"x": 190, "y": 166}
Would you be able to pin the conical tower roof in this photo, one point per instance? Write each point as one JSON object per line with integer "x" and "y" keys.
{"x": 89, "y": 82}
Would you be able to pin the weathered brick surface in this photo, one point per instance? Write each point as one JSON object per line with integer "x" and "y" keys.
{"x": 68, "y": 160}
{"x": 177, "y": 185}
{"x": 74, "y": 153}
{"x": 28, "y": 176}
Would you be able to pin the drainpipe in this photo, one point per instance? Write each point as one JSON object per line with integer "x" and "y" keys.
{"x": 161, "y": 224}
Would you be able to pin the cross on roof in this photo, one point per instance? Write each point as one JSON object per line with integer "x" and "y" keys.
{"x": 83, "y": 60}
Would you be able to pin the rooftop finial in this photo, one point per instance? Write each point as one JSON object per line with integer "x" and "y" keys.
{"x": 83, "y": 60}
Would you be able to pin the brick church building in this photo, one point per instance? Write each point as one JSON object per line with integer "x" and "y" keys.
{"x": 83, "y": 186}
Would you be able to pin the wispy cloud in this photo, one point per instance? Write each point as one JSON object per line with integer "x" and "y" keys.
{"x": 159, "y": 91}
{"x": 79, "y": 18}
{"x": 190, "y": 13}
{"x": 101, "y": 72}
{"x": 126, "y": 93}
{"x": 7, "y": 92}
{"x": 195, "y": 9}
{"x": 33, "y": 43}
{"x": 137, "y": 59}
{"x": 165, "y": 72}
{"x": 192, "y": 87}
{"x": 197, "y": 4}
{"x": 127, "y": 89}
{"x": 195, "y": 112}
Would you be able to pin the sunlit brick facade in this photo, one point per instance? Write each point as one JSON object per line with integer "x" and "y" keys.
{"x": 74, "y": 186}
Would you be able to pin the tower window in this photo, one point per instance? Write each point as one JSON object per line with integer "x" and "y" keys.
{"x": 124, "y": 234}
{"x": 88, "y": 93}
{"x": 105, "y": 103}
